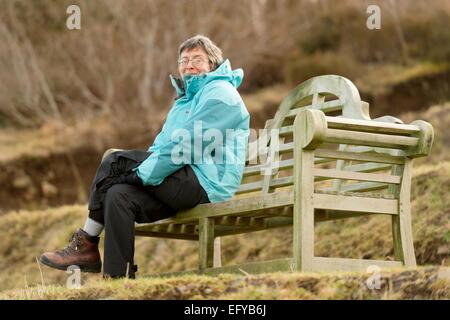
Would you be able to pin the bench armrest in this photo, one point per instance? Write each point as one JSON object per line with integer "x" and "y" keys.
{"x": 312, "y": 128}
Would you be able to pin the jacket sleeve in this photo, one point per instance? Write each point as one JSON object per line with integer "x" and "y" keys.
{"x": 210, "y": 114}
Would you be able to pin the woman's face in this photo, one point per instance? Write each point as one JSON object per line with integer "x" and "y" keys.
{"x": 194, "y": 61}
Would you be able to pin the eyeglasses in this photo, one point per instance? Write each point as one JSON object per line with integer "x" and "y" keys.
{"x": 197, "y": 61}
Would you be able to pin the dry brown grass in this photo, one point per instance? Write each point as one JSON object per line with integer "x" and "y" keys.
{"x": 422, "y": 283}
{"x": 26, "y": 234}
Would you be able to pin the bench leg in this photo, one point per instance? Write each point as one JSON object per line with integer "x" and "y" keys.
{"x": 303, "y": 214}
{"x": 206, "y": 243}
{"x": 401, "y": 224}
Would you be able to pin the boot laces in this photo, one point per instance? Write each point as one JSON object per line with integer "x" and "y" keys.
{"x": 74, "y": 243}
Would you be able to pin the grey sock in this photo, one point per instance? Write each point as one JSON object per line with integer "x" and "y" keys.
{"x": 92, "y": 227}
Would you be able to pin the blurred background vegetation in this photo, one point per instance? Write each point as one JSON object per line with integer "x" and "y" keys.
{"x": 117, "y": 65}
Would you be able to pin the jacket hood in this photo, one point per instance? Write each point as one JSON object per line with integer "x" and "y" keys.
{"x": 191, "y": 84}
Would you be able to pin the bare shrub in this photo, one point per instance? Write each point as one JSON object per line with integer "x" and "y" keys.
{"x": 117, "y": 65}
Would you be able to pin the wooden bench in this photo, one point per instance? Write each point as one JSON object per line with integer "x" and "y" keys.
{"x": 333, "y": 162}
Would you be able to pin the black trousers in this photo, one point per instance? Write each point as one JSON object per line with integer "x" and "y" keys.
{"x": 122, "y": 205}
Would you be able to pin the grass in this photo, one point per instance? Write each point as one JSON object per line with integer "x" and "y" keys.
{"x": 422, "y": 283}
{"x": 380, "y": 79}
{"x": 26, "y": 234}
{"x": 439, "y": 117}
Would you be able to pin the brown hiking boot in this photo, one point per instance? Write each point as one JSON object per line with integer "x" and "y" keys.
{"x": 82, "y": 251}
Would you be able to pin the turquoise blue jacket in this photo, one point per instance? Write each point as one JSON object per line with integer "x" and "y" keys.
{"x": 207, "y": 128}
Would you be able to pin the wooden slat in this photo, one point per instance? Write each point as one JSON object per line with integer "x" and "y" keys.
{"x": 289, "y": 147}
{"x": 323, "y": 160}
{"x": 188, "y": 229}
{"x": 363, "y": 187}
{"x": 226, "y": 221}
{"x": 249, "y": 187}
{"x": 258, "y": 169}
{"x": 326, "y": 107}
{"x": 371, "y": 126}
{"x": 268, "y": 223}
{"x": 142, "y": 232}
{"x": 253, "y": 170}
{"x": 356, "y": 194}
{"x": 243, "y": 221}
{"x": 282, "y": 182}
{"x": 241, "y": 206}
{"x": 275, "y": 158}
{"x": 286, "y": 147}
{"x": 226, "y": 229}
{"x": 374, "y": 177}
{"x": 342, "y": 264}
{"x": 386, "y": 151}
{"x": 360, "y": 204}
{"x": 370, "y": 157}
{"x": 286, "y": 131}
{"x": 159, "y": 228}
{"x": 321, "y": 174}
{"x": 330, "y": 106}
{"x": 174, "y": 228}
{"x": 255, "y": 186}
{"x": 368, "y": 167}
{"x": 369, "y": 139}
{"x": 331, "y": 215}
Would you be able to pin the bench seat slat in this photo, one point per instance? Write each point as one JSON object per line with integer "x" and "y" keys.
{"x": 241, "y": 206}
{"x": 142, "y": 232}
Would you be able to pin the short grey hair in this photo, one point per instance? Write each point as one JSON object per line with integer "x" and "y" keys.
{"x": 213, "y": 52}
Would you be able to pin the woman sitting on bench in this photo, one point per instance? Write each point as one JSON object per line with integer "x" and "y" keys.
{"x": 144, "y": 186}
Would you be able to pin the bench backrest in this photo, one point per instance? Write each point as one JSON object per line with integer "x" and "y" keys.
{"x": 380, "y": 151}
{"x": 332, "y": 94}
